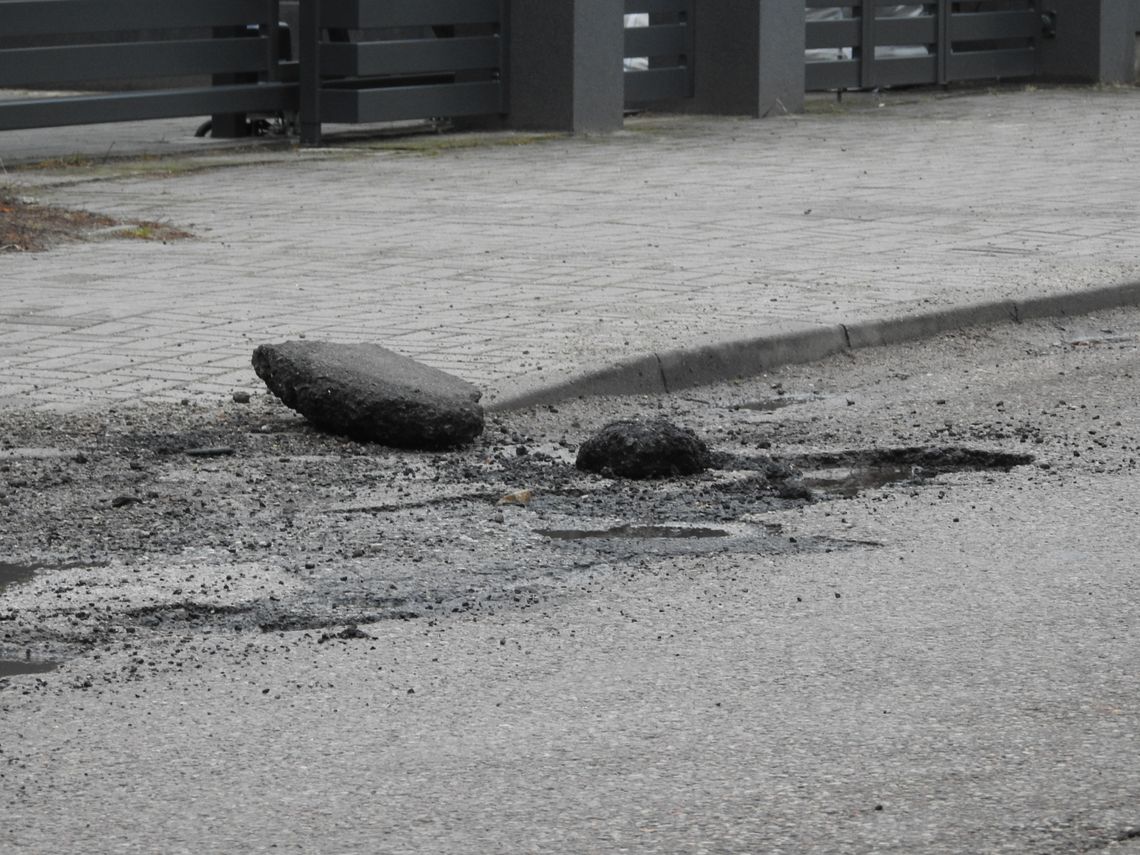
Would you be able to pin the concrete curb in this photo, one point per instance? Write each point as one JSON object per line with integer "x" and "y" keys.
{"x": 684, "y": 368}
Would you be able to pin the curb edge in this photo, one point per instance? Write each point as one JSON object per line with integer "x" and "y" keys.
{"x": 683, "y": 368}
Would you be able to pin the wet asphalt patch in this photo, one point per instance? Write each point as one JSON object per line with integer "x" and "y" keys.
{"x": 773, "y": 405}
{"x": 11, "y": 574}
{"x": 15, "y": 574}
{"x": 19, "y": 667}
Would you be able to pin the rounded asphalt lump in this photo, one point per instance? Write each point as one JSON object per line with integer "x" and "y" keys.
{"x": 643, "y": 449}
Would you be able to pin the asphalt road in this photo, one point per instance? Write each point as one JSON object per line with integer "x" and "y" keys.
{"x": 961, "y": 676}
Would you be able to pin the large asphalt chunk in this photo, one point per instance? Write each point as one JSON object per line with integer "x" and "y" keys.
{"x": 371, "y": 394}
{"x": 643, "y": 449}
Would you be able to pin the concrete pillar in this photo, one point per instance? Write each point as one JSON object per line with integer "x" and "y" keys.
{"x": 749, "y": 57}
{"x": 1095, "y": 41}
{"x": 565, "y": 65}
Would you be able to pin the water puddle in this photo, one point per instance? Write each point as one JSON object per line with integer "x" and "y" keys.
{"x": 848, "y": 473}
{"x": 15, "y": 573}
{"x": 11, "y": 574}
{"x": 776, "y": 403}
{"x": 769, "y": 405}
{"x": 1097, "y": 341}
{"x": 17, "y": 667}
{"x": 850, "y": 482}
{"x": 633, "y": 531}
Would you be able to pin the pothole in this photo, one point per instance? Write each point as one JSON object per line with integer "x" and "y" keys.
{"x": 769, "y": 405}
{"x": 772, "y": 405}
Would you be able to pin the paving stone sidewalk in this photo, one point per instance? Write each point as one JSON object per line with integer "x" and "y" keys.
{"x": 518, "y": 262}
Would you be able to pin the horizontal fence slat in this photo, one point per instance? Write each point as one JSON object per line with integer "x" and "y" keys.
{"x": 410, "y": 56}
{"x": 834, "y": 74}
{"x": 906, "y": 31}
{"x": 828, "y": 34}
{"x": 656, "y": 41}
{"x": 987, "y": 7}
{"x": 976, "y": 26}
{"x": 978, "y": 65}
{"x": 901, "y": 71}
{"x": 369, "y": 14}
{"x": 986, "y": 25}
{"x": 411, "y": 102}
{"x": 136, "y": 106}
{"x": 128, "y": 61}
{"x": 658, "y": 7}
{"x": 62, "y": 17}
{"x": 656, "y": 84}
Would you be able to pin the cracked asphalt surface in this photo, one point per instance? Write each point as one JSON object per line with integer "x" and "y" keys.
{"x": 865, "y": 630}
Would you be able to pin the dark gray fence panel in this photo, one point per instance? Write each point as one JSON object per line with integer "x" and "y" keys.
{"x": 53, "y": 17}
{"x": 72, "y": 42}
{"x": 667, "y": 47}
{"x": 360, "y": 65}
{"x": 950, "y": 40}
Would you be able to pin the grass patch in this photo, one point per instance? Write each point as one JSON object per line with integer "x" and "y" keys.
{"x": 149, "y": 230}
{"x": 29, "y": 226}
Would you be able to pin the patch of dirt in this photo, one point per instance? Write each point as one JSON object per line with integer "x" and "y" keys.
{"x": 28, "y": 226}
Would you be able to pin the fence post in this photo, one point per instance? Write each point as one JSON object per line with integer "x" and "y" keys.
{"x": 565, "y": 67}
{"x": 1094, "y": 41}
{"x": 309, "y": 47}
{"x": 749, "y": 58}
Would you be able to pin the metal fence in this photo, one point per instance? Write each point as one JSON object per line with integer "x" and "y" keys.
{"x": 658, "y": 51}
{"x": 225, "y": 51}
{"x": 386, "y": 60}
{"x": 863, "y": 44}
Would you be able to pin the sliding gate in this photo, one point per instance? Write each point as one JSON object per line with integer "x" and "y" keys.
{"x": 863, "y": 44}
{"x": 147, "y": 59}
